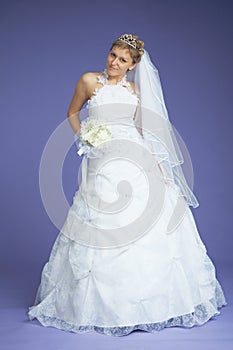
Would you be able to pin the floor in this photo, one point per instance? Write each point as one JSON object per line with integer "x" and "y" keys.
{"x": 18, "y": 333}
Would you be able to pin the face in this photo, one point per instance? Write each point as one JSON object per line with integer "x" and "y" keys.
{"x": 119, "y": 61}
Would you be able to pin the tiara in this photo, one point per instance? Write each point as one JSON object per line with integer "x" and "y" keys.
{"x": 128, "y": 38}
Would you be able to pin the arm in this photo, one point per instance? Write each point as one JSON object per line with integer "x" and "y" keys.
{"x": 138, "y": 123}
{"x": 137, "y": 115}
{"x": 164, "y": 173}
{"x": 138, "y": 120}
{"x": 81, "y": 95}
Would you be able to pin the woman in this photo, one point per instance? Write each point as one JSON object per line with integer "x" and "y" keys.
{"x": 129, "y": 255}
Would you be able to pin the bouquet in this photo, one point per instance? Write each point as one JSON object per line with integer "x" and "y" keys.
{"x": 92, "y": 134}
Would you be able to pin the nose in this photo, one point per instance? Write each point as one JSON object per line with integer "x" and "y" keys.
{"x": 114, "y": 62}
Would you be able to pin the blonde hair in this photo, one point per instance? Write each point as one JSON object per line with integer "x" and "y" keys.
{"x": 135, "y": 54}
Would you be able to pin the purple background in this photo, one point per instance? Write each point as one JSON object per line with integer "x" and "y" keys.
{"x": 45, "y": 47}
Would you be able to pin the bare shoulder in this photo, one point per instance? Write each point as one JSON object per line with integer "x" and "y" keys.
{"x": 89, "y": 82}
{"x": 89, "y": 77}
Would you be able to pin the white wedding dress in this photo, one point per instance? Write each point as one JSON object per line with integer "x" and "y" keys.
{"x": 156, "y": 281}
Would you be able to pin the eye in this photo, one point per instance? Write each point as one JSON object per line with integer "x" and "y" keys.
{"x": 113, "y": 54}
{"x": 123, "y": 60}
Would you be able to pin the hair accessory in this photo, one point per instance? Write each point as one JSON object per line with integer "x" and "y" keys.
{"x": 128, "y": 38}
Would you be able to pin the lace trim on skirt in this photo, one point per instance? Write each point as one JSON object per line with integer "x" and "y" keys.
{"x": 202, "y": 313}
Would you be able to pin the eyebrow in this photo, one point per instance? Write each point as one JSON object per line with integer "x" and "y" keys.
{"x": 120, "y": 57}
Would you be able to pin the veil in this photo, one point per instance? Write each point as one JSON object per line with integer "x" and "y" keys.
{"x": 153, "y": 122}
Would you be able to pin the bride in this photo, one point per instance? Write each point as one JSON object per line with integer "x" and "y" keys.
{"x": 129, "y": 255}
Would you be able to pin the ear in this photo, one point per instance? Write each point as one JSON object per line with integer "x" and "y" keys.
{"x": 132, "y": 67}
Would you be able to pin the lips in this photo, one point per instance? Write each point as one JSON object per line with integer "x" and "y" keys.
{"x": 112, "y": 68}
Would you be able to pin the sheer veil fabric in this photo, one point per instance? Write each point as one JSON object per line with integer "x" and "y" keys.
{"x": 153, "y": 122}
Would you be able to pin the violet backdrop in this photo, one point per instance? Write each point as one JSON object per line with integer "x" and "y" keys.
{"x": 45, "y": 47}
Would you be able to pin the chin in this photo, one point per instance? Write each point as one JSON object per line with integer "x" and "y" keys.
{"x": 112, "y": 71}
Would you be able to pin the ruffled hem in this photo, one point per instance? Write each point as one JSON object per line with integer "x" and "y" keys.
{"x": 201, "y": 314}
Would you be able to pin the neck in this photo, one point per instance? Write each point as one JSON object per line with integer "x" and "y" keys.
{"x": 114, "y": 79}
